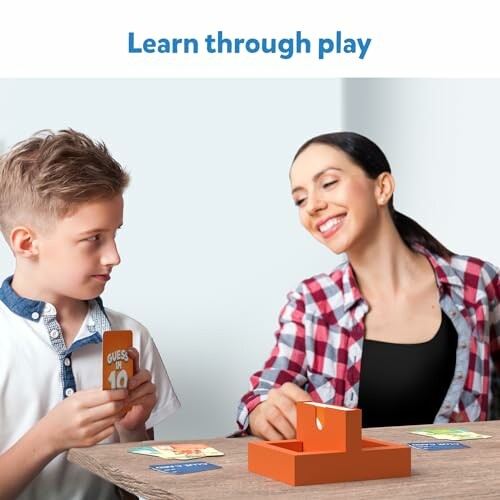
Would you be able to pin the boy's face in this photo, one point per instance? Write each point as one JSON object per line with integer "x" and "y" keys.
{"x": 76, "y": 256}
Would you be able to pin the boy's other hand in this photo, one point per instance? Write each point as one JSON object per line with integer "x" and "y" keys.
{"x": 141, "y": 398}
{"x": 83, "y": 419}
{"x": 276, "y": 417}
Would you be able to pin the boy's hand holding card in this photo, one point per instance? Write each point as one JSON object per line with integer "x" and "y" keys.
{"x": 121, "y": 370}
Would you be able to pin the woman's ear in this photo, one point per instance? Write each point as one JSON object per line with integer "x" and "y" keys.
{"x": 23, "y": 242}
{"x": 384, "y": 188}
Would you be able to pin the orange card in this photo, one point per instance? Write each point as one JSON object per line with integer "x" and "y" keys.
{"x": 117, "y": 366}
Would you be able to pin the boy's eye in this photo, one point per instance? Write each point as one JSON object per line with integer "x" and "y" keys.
{"x": 300, "y": 201}
{"x": 93, "y": 238}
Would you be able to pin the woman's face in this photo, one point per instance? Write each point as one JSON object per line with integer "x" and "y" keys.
{"x": 336, "y": 200}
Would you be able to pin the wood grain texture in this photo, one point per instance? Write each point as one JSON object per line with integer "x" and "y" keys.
{"x": 470, "y": 472}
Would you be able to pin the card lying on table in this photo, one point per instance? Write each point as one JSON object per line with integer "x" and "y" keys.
{"x": 449, "y": 434}
{"x": 182, "y": 451}
{"x": 187, "y": 468}
{"x": 436, "y": 445}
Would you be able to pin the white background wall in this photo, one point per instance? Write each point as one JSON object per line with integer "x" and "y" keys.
{"x": 441, "y": 138}
{"x": 211, "y": 242}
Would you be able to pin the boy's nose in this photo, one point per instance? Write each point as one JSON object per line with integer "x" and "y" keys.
{"x": 111, "y": 257}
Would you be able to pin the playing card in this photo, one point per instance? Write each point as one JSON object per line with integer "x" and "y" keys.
{"x": 117, "y": 366}
{"x": 449, "y": 434}
{"x": 437, "y": 446}
{"x": 186, "y": 468}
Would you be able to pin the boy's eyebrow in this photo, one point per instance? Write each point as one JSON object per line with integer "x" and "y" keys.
{"x": 317, "y": 176}
{"x": 97, "y": 230}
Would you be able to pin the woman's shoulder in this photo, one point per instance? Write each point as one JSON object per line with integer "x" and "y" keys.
{"x": 330, "y": 289}
{"x": 465, "y": 270}
{"x": 470, "y": 265}
{"x": 335, "y": 277}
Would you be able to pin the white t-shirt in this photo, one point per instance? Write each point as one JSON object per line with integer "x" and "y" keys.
{"x": 36, "y": 371}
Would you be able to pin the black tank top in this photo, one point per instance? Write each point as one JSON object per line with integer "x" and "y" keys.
{"x": 405, "y": 384}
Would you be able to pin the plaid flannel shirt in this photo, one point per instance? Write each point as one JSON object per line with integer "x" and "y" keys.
{"x": 319, "y": 342}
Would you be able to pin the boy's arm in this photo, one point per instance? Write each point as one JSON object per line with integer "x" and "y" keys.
{"x": 23, "y": 461}
{"x": 83, "y": 419}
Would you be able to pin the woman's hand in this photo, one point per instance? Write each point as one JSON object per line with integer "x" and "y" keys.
{"x": 276, "y": 417}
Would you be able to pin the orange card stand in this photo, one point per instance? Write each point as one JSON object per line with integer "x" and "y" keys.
{"x": 329, "y": 448}
{"x": 117, "y": 366}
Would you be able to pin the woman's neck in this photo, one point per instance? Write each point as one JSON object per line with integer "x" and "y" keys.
{"x": 386, "y": 266}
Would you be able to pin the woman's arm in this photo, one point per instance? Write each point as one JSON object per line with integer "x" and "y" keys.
{"x": 286, "y": 364}
{"x": 495, "y": 346}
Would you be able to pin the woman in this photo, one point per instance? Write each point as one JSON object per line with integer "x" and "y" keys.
{"x": 406, "y": 330}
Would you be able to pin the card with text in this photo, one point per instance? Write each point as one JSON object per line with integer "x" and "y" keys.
{"x": 179, "y": 451}
{"x": 186, "y": 468}
{"x": 437, "y": 445}
{"x": 186, "y": 451}
{"x": 145, "y": 450}
{"x": 450, "y": 434}
{"x": 117, "y": 366}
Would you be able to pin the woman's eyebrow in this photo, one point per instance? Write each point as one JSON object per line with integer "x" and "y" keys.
{"x": 317, "y": 176}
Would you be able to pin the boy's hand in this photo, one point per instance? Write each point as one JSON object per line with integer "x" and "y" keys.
{"x": 83, "y": 419}
{"x": 141, "y": 399}
{"x": 276, "y": 417}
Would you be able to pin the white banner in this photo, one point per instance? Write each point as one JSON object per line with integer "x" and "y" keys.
{"x": 262, "y": 38}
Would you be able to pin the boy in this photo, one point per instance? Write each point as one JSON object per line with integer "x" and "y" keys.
{"x": 60, "y": 208}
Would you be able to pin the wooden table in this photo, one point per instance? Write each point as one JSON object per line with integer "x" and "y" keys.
{"x": 469, "y": 472}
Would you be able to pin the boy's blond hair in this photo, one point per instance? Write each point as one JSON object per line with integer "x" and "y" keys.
{"x": 48, "y": 175}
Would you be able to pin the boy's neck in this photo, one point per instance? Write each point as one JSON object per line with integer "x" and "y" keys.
{"x": 70, "y": 312}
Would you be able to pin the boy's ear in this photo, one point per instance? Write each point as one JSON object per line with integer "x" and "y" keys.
{"x": 23, "y": 242}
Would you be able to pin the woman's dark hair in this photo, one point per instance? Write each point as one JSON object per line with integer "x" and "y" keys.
{"x": 367, "y": 155}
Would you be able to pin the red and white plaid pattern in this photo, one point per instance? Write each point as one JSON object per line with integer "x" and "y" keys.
{"x": 319, "y": 342}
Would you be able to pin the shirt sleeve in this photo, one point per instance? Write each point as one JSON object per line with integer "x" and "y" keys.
{"x": 149, "y": 359}
{"x": 495, "y": 344}
{"x": 167, "y": 401}
{"x": 287, "y": 362}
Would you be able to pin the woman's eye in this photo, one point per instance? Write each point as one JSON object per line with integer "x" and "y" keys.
{"x": 93, "y": 238}
{"x": 329, "y": 184}
{"x": 300, "y": 201}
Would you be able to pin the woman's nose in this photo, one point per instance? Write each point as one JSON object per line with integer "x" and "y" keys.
{"x": 315, "y": 204}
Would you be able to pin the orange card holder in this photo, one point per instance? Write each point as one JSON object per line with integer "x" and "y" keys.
{"x": 329, "y": 448}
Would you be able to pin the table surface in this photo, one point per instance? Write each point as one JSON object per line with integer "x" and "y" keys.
{"x": 469, "y": 472}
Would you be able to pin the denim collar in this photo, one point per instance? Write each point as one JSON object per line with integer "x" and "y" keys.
{"x": 26, "y": 308}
